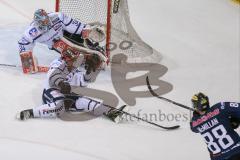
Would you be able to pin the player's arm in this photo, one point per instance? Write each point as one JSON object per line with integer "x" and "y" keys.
{"x": 57, "y": 77}
{"x": 71, "y": 25}
{"x": 87, "y": 32}
{"x": 80, "y": 78}
{"x": 26, "y": 44}
{"x": 92, "y": 32}
{"x": 192, "y": 123}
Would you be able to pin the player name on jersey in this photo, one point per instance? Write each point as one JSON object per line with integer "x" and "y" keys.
{"x": 208, "y": 125}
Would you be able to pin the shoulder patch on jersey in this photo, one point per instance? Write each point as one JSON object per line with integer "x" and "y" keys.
{"x": 33, "y": 32}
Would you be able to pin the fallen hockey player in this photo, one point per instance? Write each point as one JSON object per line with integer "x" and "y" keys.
{"x": 57, "y": 96}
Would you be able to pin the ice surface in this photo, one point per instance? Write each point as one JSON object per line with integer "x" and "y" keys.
{"x": 199, "y": 41}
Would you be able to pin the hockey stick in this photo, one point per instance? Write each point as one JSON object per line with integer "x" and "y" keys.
{"x": 131, "y": 115}
{"x": 40, "y": 68}
{"x": 165, "y": 99}
{"x": 139, "y": 118}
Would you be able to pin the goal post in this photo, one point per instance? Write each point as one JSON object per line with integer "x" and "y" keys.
{"x": 113, "y": 15}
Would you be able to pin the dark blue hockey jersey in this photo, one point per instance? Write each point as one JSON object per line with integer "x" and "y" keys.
{"x": 215, "y": 127}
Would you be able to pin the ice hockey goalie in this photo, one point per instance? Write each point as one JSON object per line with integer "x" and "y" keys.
{"x": 58, "y": 31}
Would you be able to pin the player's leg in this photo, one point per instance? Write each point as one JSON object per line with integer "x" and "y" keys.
{"x": 97, "y": 108}
{"x": 50, "y": 110}
{"x": 89, "y": 105}
{"x": 53, "y": 105}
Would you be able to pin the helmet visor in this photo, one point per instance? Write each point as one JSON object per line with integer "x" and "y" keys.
{"x": 199, "y": 103}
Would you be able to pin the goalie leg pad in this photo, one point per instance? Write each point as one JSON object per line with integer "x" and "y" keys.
{"x": 62, "y": 44}
{"x": 29, "y": 62}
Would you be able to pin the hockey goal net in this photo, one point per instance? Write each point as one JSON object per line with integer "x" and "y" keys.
{"x": 120, "y": 34}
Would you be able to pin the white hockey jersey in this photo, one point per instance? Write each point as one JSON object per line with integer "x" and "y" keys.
{"x": 58, "y": 72}
{"x": 60, "y": 22}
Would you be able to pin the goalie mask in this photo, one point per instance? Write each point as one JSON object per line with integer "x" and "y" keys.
{"x": 72, "y": 59}
{"x": 42, "y": 19}
{"x": 200, "y": 102}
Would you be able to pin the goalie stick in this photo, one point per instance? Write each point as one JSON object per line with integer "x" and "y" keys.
{"x": 139, "y": 118}
{"x": 165, "y": 99}
{"x": 43, "y": 69}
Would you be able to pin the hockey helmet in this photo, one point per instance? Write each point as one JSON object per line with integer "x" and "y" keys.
{"x": 200, "y": 102}
{"x": 42, "y": 19}
{"x": 68, "y": 54}
{"x": 71, "y": 57}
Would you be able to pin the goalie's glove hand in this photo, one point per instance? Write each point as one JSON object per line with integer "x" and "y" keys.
{"x": 94, "y": 32}
{"x": 234, "y": 122}
{"x": 65, "y": 87}
{"x": 92, "y": 62}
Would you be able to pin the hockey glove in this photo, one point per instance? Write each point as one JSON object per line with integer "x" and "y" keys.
{"x": 92, "y": 62}
{"x": 65, "y": 87}
{"x": 234, "y": 122}
{"x": 95, "y": 33}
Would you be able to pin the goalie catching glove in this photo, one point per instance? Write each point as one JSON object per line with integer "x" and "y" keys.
{"x": 92, "y": 62}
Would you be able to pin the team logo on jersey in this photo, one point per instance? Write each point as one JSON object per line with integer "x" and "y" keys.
{"x": 33, "y": 32}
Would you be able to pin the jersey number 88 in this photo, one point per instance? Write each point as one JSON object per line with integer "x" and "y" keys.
{"x": 223, "y": 140}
